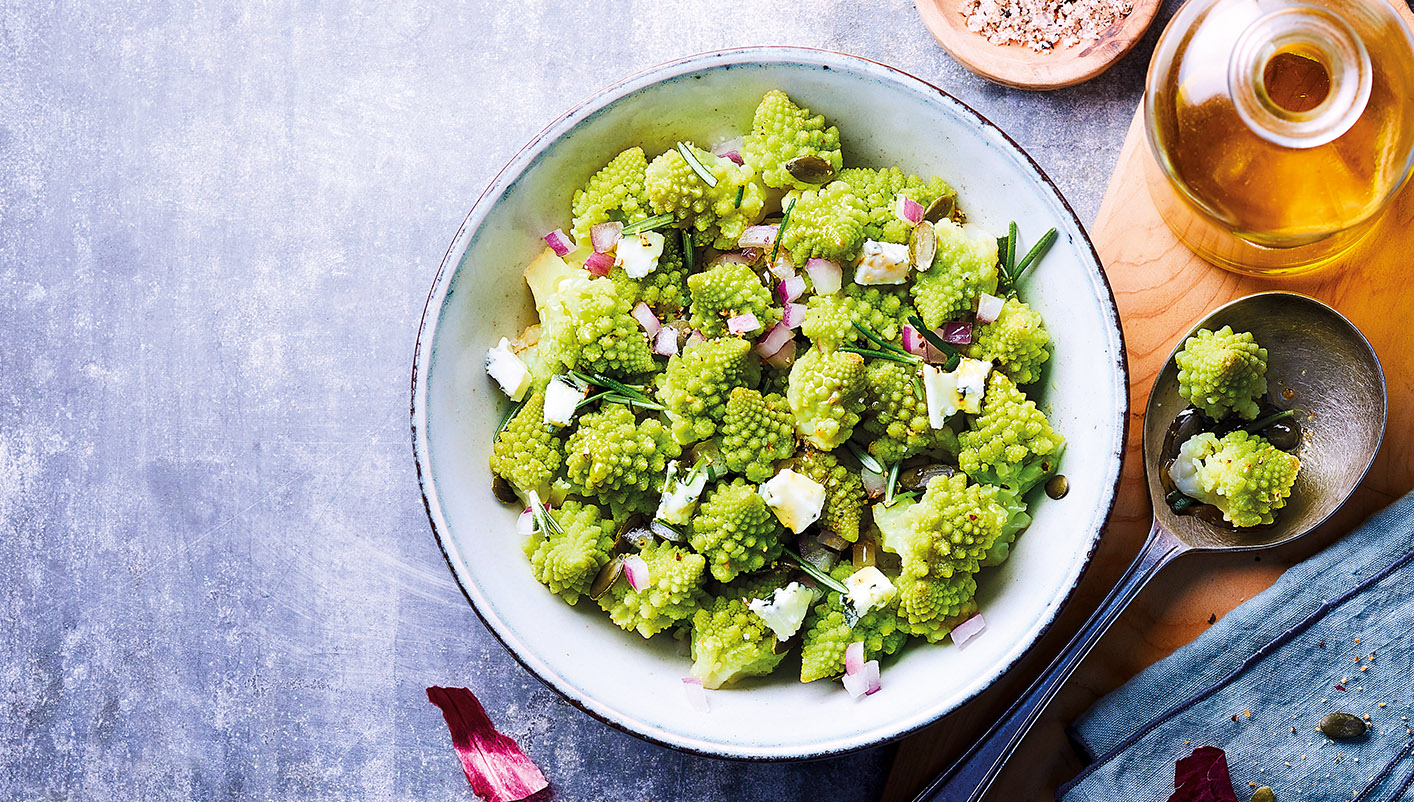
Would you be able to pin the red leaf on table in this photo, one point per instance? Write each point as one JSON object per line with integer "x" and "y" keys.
{"x": 1203, "y": 777}
{"x": 495, "y": 766}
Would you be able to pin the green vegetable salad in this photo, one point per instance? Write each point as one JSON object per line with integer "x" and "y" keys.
{"x": 774, "y": 404}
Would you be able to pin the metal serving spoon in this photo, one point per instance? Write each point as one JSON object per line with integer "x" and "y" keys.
{"x": 1320, "y": 366}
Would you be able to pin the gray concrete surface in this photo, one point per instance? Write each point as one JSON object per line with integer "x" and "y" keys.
{"x": 218, "y": 225}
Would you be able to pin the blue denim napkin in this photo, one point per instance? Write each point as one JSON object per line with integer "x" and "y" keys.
{"x": 1335, "y": 633}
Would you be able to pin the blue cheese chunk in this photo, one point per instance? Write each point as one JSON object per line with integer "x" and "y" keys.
{"x": 785, "y": 610}
{"x": 796, "y": 499}
{"x": 972, "y": 384}
{"x": 868, "y": 588}
{"x": 638, "y": 254}
{"x": 561, "y": 401}
{"x": 680, "y": 495}
{"x": 960, "y": 390}
{"x": 508, "y": 370}
{"x": 883, "y": 263}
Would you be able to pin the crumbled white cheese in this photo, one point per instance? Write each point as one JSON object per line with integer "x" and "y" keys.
{"x": 868, "y": 588}
{"x": 940, "y": 391}
{"x": 786, "y": 609}
{"x": 796, "y": 499}
{"x": 972, "y": 384}
{"x": 638, "y": 253}
{"x": 680, "y": 495}
{"x": 508, "y": 370}
{"x": 561, "y": 400}
{"x": 883, "y": 263}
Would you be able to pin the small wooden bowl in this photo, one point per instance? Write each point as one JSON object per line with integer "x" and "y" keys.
{"x": 1024, "y": 68}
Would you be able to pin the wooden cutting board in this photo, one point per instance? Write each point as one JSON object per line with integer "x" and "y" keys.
{"x": 1162, "y": 290}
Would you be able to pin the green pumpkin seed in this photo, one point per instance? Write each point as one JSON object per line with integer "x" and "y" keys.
{"x": 1057, "y": 486}
{"x": 1343, "y": 726}
{"x": 1264, "y": 794}
{"x": 606, "y": 576}
{"x": 810, "y": 168}
{"x": 922, "y": 245}
{"x": 502, "y": 490}
{"x": 941, "y": 207}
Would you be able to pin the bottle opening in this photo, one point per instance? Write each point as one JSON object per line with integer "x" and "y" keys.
{"x": 1296, "y": 82}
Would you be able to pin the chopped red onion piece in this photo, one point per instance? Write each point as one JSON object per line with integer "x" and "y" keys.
{"x": 790, "y": 289}
{"x": 696, "y": 694}
{"x": 496, "y": 768}
{"x": 933, "y": 356}
{"x": 636, "y": 572}
{"x": 559, "y": 242}
{"x": 525, "y": 524}
{"x": 863, "y": 682}
{"x": 731, "y": 149}
{"x": 959, "y": 333}
{"x": 751, "y": 254}
{"x": 646, "y": 319}
{"x": 874, "y": 483}
{"x": 605, "y": 236}
{"x": 757, "y": 237}
{"x": 854, "y": 657}
{"x": 598, "y": 264}
{"x": 989, "y": 308}
{"x": 793, "y": 315}
{"x": 827, "y": 275}
{"x": 696, "y": 337}
{"x": 775, "y": 339}
{"x": 908, "y": 210}
{"x": 783, "y": 358}
{"x": 732, "y": 258}
{"x": 666, "y": 341}
{"x": 733, "y": 156}
{"x": 913, "y": 341}
{"x": 871, "y": 677}
{"x": 969, "y": 629}
{"x": 783, "y": 268}
{"x": 744, "y": 323}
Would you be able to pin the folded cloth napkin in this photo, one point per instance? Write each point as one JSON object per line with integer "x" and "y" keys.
{"x": 1335, "y": 633}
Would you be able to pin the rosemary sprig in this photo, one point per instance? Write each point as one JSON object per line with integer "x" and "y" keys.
{"x": 889, "y": 355}
{"x": 954, "y": 356}
{"x": 687, "y": 256}
{"x": 889, "y": 486}
{"x": 1034, "y": 255}
{"x": 613, "y": 384}
{"x": 1012, "y": 232}
{"x": 630, "y": 401}
{"x": 882, "y": 343}
{"x": 1259, "y": 425}
{"x": 510, "y": 413}
{"x": 647, "y": 224}
{"x": 591, "y": 399}
{"x": 691, "y": 159}
{"x": 740, "y": 191}
{"x": 544, "y": 521}
{"x": 781, "y": 230}
{"x": 865, "y": 458}
{"x": 814, "y": 572}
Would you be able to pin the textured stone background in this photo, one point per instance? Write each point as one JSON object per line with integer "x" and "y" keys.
{"x": 218, "y": 225}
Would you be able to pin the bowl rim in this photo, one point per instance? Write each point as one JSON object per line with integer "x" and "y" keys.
{"x": 432, "y": 310}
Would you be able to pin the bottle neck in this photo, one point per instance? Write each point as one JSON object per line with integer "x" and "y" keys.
{"x": 1319, "y": 44}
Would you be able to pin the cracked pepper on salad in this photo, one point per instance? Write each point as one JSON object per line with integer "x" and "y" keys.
{"x": 774, "y": 404}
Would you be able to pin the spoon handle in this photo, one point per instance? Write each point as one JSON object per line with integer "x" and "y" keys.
{"x": 970, "y": 777}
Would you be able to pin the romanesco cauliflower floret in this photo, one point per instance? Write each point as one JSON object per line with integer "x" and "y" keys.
{"x": 735, "y": 530}
{"x": 730, "y": 642}
{"x": 829, "y": 319}
{"x": 717, "y": 215}
{"x": 1222, "y": 373}
{"x": 698, "y": 382}
{"x": 879, "y": 189}
{"x": 1016, "y": 342}
{"x": 756, "y": 431}
{"x": 828, "y": 223}
{"x": 674, "y": 591}
{"x": 897, "y": 415}
{"x": 528, "y": 452}
{"x": 728, "y": 290}
{"x": 948, "y": 530}
{"x": 844, "y": 492}
{"x": 568, "y": 560}
{"x": 929, "y": 607}
{"x": 964, "y": 267}
{"x": 665, "y": 289}
{"x": 826, "y": 394}
{"x": 586, "y": 325}
{"x": 1242, "y": 474}
{"x": 615, "y": 192}
{"x": 616, "y": 460}
{"x": 827, "y": 633}
{"x": 782, "y": 131}
{"x": 1011, "y": 444}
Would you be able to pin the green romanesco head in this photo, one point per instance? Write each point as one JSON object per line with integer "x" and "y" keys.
{"x": 614, "y": 458}
{"x": 896, "y": 413}
{"x": 729, "y": 642}
{"x": 717, "y": 215}
{"x": 782, "y": 131}
{"x": 1018, "y": 518}
{"x": 756, "y": 431}
{"x": 929, "y": 607}
{"x": 735, "y": 530}
{"x": 528, "y": 452}
{"x": 828, "y": 223}
{"x": 615, "y": 192}
{"x": 567, "y": 561}
{"x": 1011, "y": 444}
{"x": 586, "y": 325}
{"x": 728, "y": 290}
{"x": 829, "y": 319}
{"x": 1016, "y": 342}
{"x": 827, "y": 633}
{"x": 665, "y": 289}
{"x": 948, "y": 530}
{"x": 1242, "y": 474}
{"x": 879, "y": 189}
{"x": 698, "y": 382}
{"x": 826, "y": 394}
{"x": 673, "y": 593}
{"x": 964, "y": 267}
{"x": 1222, "y": 373}
{"x": 844, "y": 491}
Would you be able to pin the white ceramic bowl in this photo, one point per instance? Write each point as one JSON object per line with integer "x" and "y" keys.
{"x": 885, "y": 117}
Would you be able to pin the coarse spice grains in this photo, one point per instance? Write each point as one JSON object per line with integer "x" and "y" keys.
{"x": 1043, "y": 25}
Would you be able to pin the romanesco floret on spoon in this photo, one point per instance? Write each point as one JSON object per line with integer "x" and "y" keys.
{"x": 1223, "y": 372}
{"x": 1241, "y": 474}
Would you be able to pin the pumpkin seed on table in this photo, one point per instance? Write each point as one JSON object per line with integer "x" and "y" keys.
{"x": 1264, "y": 794}
{"x": 1342, "y": 726}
